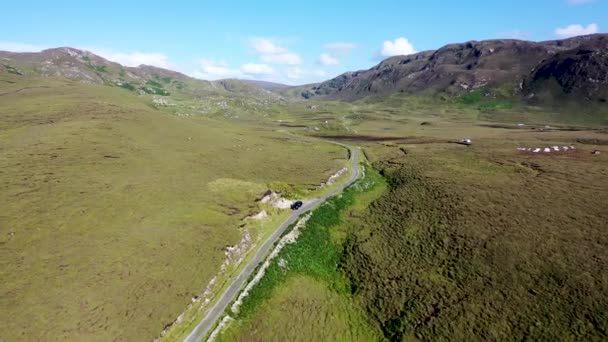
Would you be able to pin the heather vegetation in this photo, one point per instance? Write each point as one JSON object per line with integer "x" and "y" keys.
{"x": 133, "y": 196}
{"x": 465, "y": 242}
{"x": 116, "y": 214}
{"x": 459, "y": 260}
{"x": 303, "y": 294}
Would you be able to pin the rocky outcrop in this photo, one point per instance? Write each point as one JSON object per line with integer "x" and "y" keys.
{"x": 581, "y": 72}
{"x": 518, "y": 66}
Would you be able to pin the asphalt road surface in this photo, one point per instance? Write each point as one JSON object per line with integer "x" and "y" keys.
{"x": 209, "y": 322}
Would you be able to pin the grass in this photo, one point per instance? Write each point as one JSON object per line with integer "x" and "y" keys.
{"x": 314, "y": 254}
{"x": 154, "y": 84}
{"x": 480, "y": 242}
{"x": 303, "y": 294}
{"x": 261, "y": 230}
{"x": 166, "y": 79}
{"x": 11, "y": 69}
{"x": 127, "y": 86}
{"x": 303, "y": 309}
{"x": 474, "y": 243}
{"x": 100, "y": 68}
{"x": 484, "y": 100}
{"x": 155, "y": 90}
{"x": 116, "y": 214}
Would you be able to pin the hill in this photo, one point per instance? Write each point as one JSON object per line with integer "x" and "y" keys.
{"x": 86, "y": 67}
{"x": 116, "y": 211}
{"x": 573, "y": 68}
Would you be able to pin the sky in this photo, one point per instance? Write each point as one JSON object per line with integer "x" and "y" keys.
{"x": 291, "y": 42}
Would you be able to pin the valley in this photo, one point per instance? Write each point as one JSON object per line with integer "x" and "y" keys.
{"x": 138, "y": 202}
{"x": 448, "y": 240}
{"x": 116, "y": 214}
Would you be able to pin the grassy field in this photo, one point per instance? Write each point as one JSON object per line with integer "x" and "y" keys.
{"x": 116, "y": 213}
{"x": 303, "y": 296}
{"x": 303, "y": 309}
{"x": 485, "y": 242}
{"x": 479, "y": 242}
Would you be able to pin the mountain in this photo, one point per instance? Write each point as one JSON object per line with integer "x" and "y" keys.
{"x": 86, "y": 67}
{"x": 247, "y": 87}
{"x": 580, "y": 72}
{"x": 552, "y": 71}
{"x": 571, "y": 67}
{"x": 266, "y": 85}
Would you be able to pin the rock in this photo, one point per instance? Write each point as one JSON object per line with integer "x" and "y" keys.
{"x": 159, "y": 101}
{"x": 259, "y": 216}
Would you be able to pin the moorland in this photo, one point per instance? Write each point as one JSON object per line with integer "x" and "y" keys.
{"x": 127, "y": 197}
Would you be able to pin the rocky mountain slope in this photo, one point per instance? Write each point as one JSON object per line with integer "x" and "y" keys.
{"x": 578, "y": 72}
{"x": 86, "y": 67}
{"x": 576, "y": 66}
{"x": 570, "y": 69}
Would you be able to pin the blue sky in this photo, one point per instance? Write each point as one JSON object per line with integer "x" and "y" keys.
{"x": 293, "y": 42}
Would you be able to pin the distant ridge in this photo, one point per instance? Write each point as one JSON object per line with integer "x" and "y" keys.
{"x": 574, "y": 69}
{"x": 87, "y": 67}
{"x": 571, "y": 68}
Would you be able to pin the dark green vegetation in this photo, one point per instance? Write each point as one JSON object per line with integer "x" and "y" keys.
{"x": 484, "y": 100}
{"x": 304, "y": 295}
{"x": 153, "y": 87}
{"x": 467, "y": 243}
{"x": 316, "y": 254}
{"x": 11, "y": 69}
{"x": 127, "y": 86}
{"x": 492, "y": 246}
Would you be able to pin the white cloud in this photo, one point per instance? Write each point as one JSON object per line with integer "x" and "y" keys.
{"x": 125, "y": 58}
{"x": 19, "y": 47}
{"x": 400, "y": 46}
{"x": 133, "y": 59}
{"x": 340, "y": 49}
{"x": 266, "y": 46}
{"x": 212, "y": 70}
{"x": 271, "y": 53}
{"x": 576, "y": 30}
{"x": 579, "y": 2}
{"x": 257, "y": 69}
{"x": 327, "y": 59}
{"x": 334, "y": 52}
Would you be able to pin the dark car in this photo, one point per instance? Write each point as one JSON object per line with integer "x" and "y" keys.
{"x": 296, "y": 205}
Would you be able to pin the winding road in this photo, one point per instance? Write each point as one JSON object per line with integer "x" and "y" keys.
{"x": 204, "y": 327}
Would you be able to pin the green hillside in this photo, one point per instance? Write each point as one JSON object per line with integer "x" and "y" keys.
{"x": 116, "y": 213}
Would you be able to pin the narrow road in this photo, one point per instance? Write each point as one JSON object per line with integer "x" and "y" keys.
{"x": 208, "y": 323}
